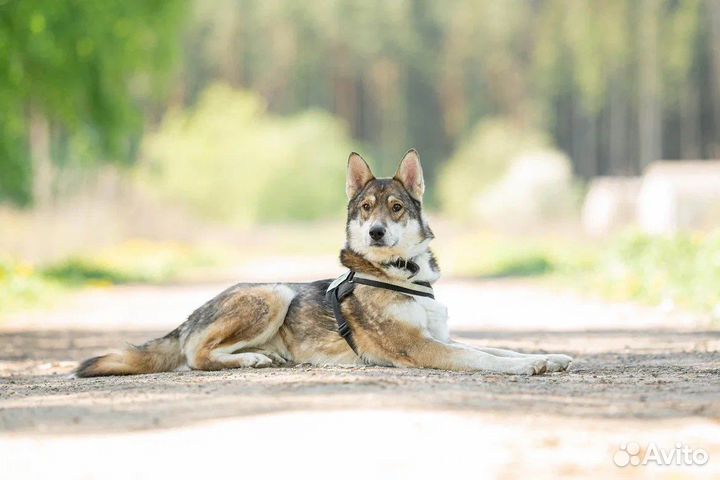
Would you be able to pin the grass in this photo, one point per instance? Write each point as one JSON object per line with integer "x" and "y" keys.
{"x": 681, "y": 270}
{"x": 80, "y": 271}
{"x": 527, "y": 265}
{"x": 21, "y": 286}
{"x": 135, "y": 261}
{"x": 496, "y": 256}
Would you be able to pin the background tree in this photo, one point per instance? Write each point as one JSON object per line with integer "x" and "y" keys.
{"x": 615, "y": 84}
{"x": 73, "y": 81}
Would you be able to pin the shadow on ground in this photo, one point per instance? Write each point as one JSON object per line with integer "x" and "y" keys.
{"x": 617, "y": 374}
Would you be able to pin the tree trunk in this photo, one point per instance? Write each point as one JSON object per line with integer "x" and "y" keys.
{"x": 42, "y": 167}
{"x": 649, "y": 110}
{"x": 689, "y": 120}
{"x": 584, "y": 138}
{"x": 714, "y": 14}
{"x": 617, "y": 148}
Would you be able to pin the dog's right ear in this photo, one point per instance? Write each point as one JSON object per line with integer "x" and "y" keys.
{"x": 358, "y": 175}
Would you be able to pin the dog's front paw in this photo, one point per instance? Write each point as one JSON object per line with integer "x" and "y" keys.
{"x": 534, "y": 366}
{"x": 558, "y": 362}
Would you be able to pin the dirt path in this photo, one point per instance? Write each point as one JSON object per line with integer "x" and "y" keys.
{"x": 649, "y": 383}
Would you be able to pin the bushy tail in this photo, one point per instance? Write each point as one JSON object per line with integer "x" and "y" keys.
{"x": 159, "y": 355}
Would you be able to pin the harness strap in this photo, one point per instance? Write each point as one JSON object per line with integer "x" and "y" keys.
{"x": 336, "y": 293}
{"x": 422, "y": 289}
{"x": 343, "y": 286}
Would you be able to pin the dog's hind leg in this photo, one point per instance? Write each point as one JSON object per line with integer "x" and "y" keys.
{"x": 556, "y": 362}
{"x": 245, "y": 320}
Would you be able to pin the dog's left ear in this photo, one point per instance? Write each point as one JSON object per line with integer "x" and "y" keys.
{"x": 410, "y": 174}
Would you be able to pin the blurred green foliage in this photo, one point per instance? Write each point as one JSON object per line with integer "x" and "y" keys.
{"x": 134, "y": 261}
{"x": 614, "y": 84}
{"x": 487, "y": 255}
{"x": 682, "y": 269}
{"x": 22, "y": 286}
{"x": 526, "y": 265}
{"x": 80, "y": 271}
{"x": 75, "y": 72}
{"x": 481, "y": 160}
{"x": 228, "y": 159}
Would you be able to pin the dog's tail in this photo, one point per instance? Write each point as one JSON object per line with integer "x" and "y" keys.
{"x": 159, "y": 355}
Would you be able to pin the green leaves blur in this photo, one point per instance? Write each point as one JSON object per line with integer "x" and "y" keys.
{"x": 228, "y": 159}
{"x": 615, "y": 84}
{"x": 682, "y": 269}
{"x": 86, "y": 67}
{"x": 481, "y": 159}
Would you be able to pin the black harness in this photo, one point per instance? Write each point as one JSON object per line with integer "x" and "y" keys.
{"x": 344, "y": 285}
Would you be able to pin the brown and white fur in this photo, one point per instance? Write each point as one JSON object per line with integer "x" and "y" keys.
{"x": 259, "y": 325}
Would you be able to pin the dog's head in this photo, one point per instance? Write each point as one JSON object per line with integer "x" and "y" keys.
{"x": 385, "y": 220}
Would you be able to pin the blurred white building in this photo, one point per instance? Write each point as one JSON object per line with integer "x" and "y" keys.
{"x": 679, "y": 195}
{"x": 538, "y": 189}
{"x": 610, "y": 204}
{"x": 671, "y": 196}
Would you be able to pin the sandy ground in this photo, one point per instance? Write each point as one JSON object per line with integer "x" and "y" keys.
{"x": 641, "y": 376}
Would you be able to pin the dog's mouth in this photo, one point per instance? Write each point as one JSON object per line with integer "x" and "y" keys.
{"x": 381, "y": 244}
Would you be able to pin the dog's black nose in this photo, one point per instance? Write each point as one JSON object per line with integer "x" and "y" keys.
{"x": 377, "y": 232}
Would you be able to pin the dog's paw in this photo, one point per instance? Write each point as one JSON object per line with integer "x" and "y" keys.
{"x": 257, "y": 360}
{"x": 534, "y": 366}
{"x": 277, "y": 360}
{"x": 558, "y": 362}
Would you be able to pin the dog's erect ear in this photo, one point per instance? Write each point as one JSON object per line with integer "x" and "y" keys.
{"x": 410, "y": 174}
{"x": 358, "y": 175}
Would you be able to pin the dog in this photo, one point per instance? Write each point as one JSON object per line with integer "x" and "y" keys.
{"x": 382, "y": 312}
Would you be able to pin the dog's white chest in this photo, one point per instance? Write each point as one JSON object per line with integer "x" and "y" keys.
{"x": 427, "y": 314}
{"x": 436, "y": 318}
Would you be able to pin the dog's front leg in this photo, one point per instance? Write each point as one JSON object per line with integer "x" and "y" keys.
{"x": 430, "y": 353}
{"x": 556, "y": 362}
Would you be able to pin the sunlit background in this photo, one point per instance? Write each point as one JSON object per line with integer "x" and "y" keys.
{"x": 564, "y": 142}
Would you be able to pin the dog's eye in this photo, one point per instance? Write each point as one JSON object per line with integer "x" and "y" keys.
{"x": 396, "y": 208}
{"x": 366, "y": 206}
